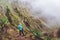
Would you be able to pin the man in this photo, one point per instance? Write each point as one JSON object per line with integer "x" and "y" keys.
{"x": 20, "y": 27}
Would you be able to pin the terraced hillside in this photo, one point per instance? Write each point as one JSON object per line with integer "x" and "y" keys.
{"x": 14, "y": 12}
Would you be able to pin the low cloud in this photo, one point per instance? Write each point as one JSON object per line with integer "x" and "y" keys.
{"x": 49, "y": 10}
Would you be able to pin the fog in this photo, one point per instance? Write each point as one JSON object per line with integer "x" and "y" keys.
{"x": 48, "y": 10}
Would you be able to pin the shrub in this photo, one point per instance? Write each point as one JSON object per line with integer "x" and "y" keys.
{"x": 4, "y": 20}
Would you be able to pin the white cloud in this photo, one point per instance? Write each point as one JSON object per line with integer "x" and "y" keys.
{"x": 49, "y": 9}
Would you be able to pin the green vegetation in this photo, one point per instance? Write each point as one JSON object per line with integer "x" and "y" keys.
{"x": 4, "y": 20}
{"x": 15, "y": 16}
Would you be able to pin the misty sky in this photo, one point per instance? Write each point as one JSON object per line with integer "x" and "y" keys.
{"x": 49, "y": 10}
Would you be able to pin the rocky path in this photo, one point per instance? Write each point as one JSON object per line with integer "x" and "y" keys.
{"x": 15, "y": 36}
